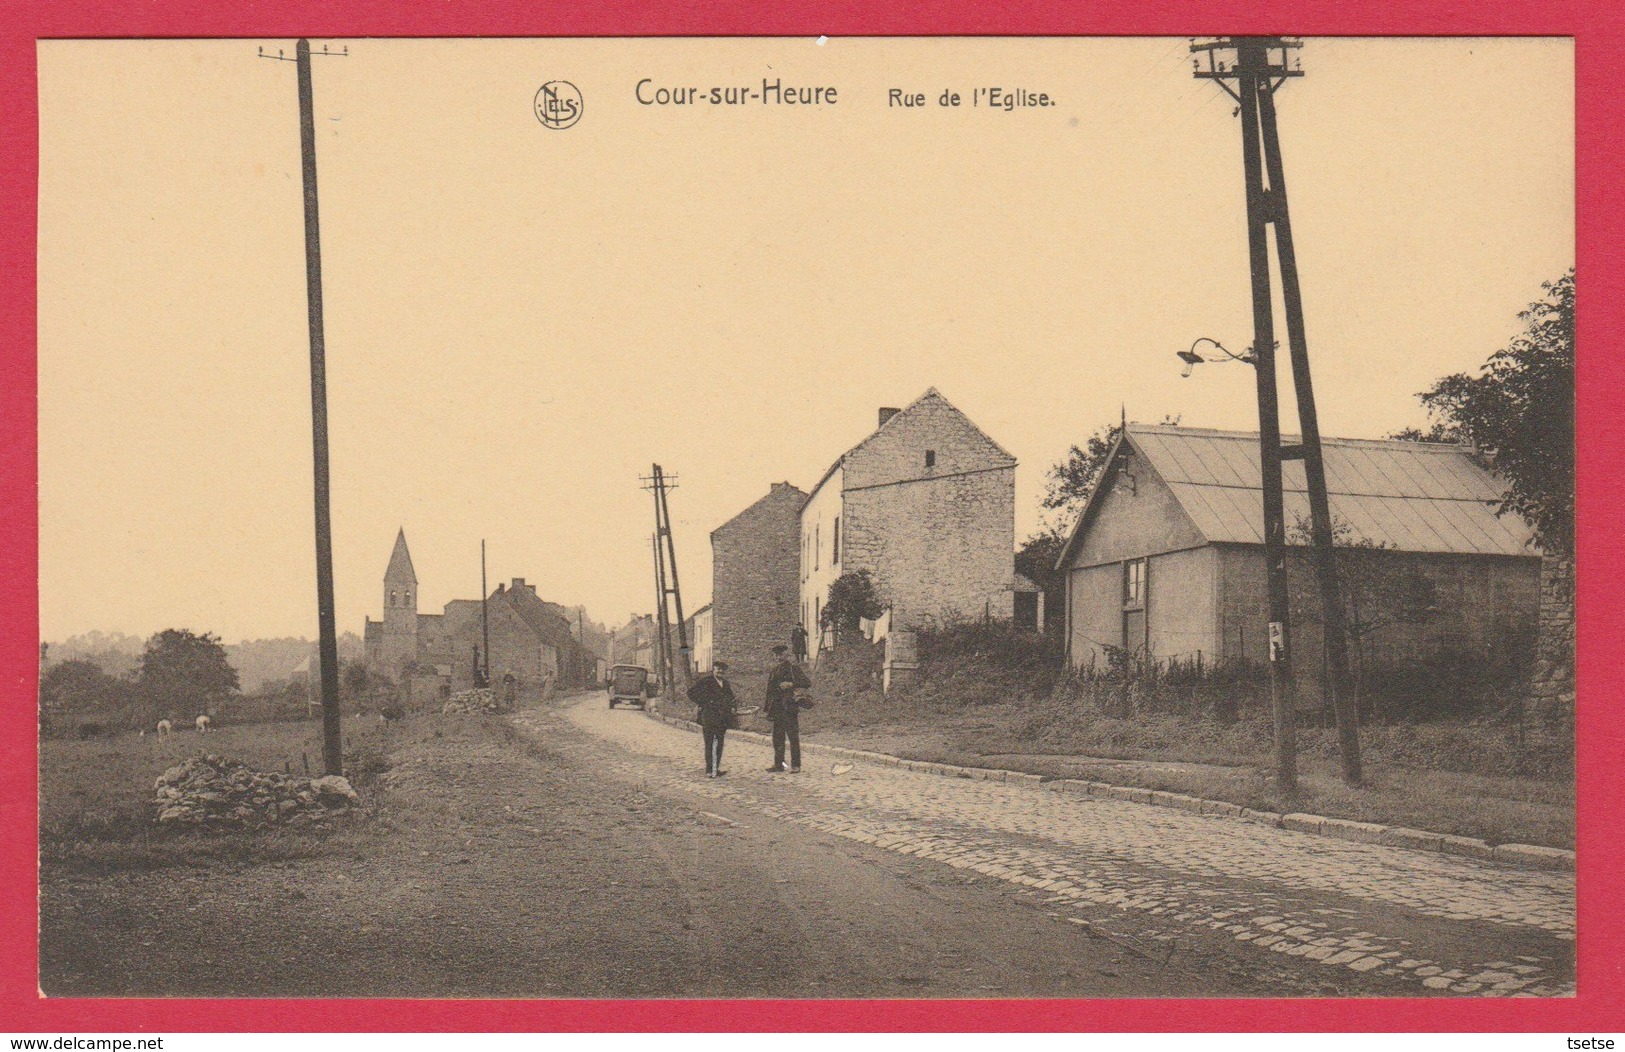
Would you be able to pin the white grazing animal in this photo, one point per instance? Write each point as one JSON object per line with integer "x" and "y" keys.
{"x": 202, "y": 724}
{"x": 164, "y": 727}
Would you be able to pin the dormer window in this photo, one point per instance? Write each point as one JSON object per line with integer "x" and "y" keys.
{"x": 930, "y": 458}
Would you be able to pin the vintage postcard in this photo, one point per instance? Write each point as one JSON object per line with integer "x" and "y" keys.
{"x": 807, "y": 518}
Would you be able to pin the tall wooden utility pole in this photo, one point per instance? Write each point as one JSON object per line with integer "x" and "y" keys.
{"x": 1258, "y": 66}
{"x": 328, "y": 646}
{"x": 485, "y": 621}
{"x": 663, "y": 663}
{"x": 683, "y": 650}
{"x": 658, "y": 482}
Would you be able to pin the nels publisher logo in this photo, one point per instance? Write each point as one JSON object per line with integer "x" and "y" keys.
{"x": 558, "y": 104}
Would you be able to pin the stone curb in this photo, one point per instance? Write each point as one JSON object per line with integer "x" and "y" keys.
{"x": 1528, "y": 855}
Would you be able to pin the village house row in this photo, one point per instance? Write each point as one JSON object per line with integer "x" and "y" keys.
{"x": 1165, "y": 560}
{"x": 430, "y": 655}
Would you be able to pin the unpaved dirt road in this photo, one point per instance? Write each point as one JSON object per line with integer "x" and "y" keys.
{"x": 577, "y": 852}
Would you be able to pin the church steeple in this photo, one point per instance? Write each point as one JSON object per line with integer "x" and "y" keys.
{"x": 400, "y": 589}
{"x": 399, "y": 645}
{"x": 400, "y": 563}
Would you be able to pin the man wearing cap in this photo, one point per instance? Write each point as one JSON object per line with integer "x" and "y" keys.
{"x": 715, "y": 700}
{"x": 783, "y": 709}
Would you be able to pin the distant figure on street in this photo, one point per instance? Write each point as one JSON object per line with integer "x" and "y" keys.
{"x": 784, "y": 709}
{"x": 717, "y": 706}
{"x": 798, "y": 642}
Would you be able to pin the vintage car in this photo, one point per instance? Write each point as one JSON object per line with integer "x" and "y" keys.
{"x": 629, "y": 684}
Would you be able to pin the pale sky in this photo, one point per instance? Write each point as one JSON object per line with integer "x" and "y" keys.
{"x": 520, "y": 320}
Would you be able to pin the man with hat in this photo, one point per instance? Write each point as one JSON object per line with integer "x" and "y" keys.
{"x": 717, "y": 707}
{"x": 784, "y": 710}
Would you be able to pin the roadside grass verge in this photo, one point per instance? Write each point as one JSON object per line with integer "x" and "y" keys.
{"x": 980, "y": 708}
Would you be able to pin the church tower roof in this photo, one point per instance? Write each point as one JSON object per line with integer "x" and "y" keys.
{"x": 400, "y": 561}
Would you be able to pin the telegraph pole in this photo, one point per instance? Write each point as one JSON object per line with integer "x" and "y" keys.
{"x": 328, "y": 647}
{"x": 1259, "y": 68}
{"x": 485, "y": 621}
{"x": 658, "y": 482}
{"x": 662, "y": 630}
{"x": 676, "y": 589}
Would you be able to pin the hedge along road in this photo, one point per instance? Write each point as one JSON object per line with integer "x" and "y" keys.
{"x": 1253, "y": 904}
{"x": 587, "y": 855}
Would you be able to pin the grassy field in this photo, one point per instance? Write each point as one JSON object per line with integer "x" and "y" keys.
{"x": 96, "y": 796}
{"x": 1450, "y": 777}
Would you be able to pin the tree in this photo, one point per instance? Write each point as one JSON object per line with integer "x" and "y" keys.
{"x": 77, "y": 685}
{"x": 353, "y": 677}
{"x": 851, "y": 599}
{"x": 1519, "y": 410}
{"x": 1035, "y": 559}
{"x": 1067, "y": 484}
{"x": 183, "y": 673}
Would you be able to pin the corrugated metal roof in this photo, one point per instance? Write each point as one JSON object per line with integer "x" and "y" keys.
{"x": 1414, "y": 496}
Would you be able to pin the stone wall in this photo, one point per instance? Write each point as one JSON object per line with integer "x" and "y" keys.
{"x": 754, "y": 581}
{"x": 938, "y": 549}
{"x": 1552, "y": 684}
{"x": 1429, "y": 606}
{"x": 896, "y": 452}
{"x": 928, "y": 507}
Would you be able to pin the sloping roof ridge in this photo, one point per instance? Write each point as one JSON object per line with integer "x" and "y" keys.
{"x": 930, "y": 392}
{"x": 772, "y": 491}
{"x": 1093, "y": 498}
{"x": 1380, "y": 443}
{"x": 944, "y": 399}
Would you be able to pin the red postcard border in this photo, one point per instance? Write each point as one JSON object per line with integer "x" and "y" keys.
{"x": 1596, "y": 27}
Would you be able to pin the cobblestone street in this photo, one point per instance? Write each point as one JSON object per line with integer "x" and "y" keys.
{"x": 1308, "y": 909}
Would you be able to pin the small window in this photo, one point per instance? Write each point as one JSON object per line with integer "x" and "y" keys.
{"x": 1134, "y": 584}
{"x": 930, "y": 458}
{"x": 815, "y": 547}
{"x": 394, "y": 598}
{"x": 835, "y": 543}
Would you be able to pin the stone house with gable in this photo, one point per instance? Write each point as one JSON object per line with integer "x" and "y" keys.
{"x": 926, "y": 505}
{"x": 754, "y": 582}
{"x": 1166, "y": 559}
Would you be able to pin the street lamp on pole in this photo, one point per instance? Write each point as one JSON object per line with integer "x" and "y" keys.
{"x": 1271, "y": 490}
{"x": 1192, "y": 359}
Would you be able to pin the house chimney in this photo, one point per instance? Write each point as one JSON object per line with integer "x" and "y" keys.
{"x": 518, "y": 584}
{"x": 886, "y": 414}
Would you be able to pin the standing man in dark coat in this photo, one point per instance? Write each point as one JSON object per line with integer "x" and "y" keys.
{"x": 798, "y": 642}
{"x": 782, "y": 708}
{"x": 715, "y": 699}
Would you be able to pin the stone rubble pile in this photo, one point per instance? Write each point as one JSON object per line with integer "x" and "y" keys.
{"x": 217, "y": 792}
{"x": 480, "y": 699}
